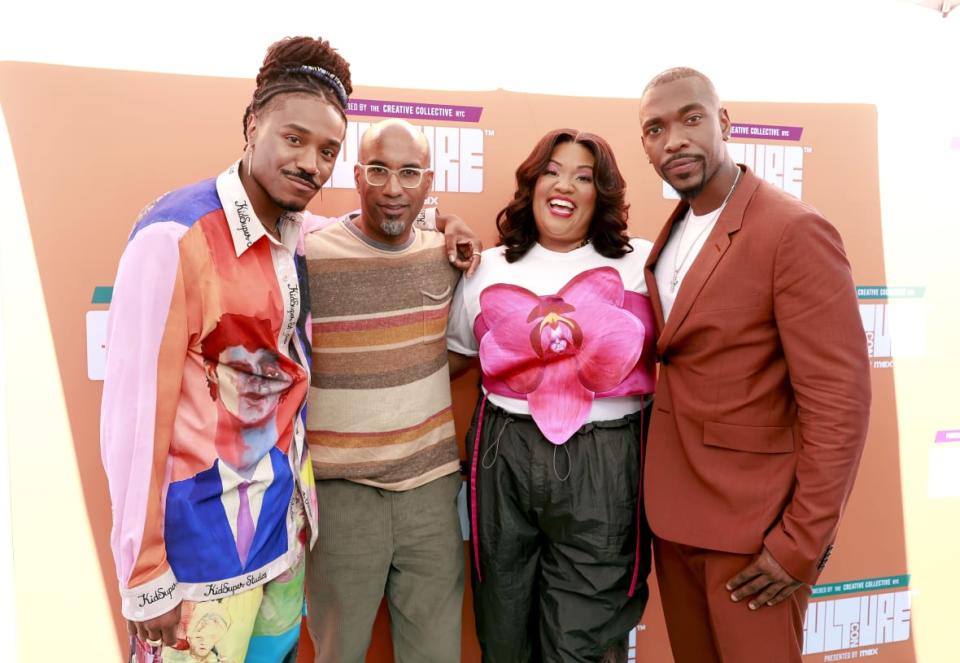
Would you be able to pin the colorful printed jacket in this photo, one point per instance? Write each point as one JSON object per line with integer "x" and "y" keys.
{"x": 202, "y": 428}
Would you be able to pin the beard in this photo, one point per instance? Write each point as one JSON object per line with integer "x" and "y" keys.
{"x": 690, "y": 189}
{"x": 393, "y": 228}
{"x": 295, "y": 206}
{"x": 288, "y": 206}
{"x": 285, "y": 205}
{"x": 688, "y": 194}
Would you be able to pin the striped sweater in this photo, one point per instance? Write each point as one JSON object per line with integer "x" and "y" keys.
{"x": 379, "y": 408}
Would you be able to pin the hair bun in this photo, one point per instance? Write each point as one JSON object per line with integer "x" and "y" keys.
{"x": 296, "y": 51}
{"x": 287, "y": 70}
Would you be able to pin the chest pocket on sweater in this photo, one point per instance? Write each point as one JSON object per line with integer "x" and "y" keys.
{"x": 434, "y": 308}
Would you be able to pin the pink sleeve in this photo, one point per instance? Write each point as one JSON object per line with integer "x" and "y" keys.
{"x": 147, "y": 319}
{"x": 313, "y": 222}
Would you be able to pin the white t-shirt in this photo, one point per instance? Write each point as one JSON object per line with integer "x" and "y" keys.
{"x": 542, "y": 272}
{"x": 695, "y": 230}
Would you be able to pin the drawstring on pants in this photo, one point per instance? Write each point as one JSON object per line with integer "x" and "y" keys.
{"x": 569, "y": 468}
{"x": 474, "y": 529}
{"x": 495, "y": 447}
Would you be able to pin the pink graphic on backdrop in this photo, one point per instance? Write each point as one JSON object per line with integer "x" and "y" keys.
{"x": 948, "y": 436}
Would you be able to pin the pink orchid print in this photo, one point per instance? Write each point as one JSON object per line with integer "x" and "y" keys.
{"x": 560, "y": 350}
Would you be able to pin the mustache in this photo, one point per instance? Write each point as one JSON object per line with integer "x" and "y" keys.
{"x": 681, "y": 155}
{"x": 303, "y": 175}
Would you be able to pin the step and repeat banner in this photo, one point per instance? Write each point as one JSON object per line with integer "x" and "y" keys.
{"x": 92, "y": 147}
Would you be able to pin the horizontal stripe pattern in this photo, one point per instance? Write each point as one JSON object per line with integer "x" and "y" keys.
{"x": 383, "y": 473}
{"x": 378, "y": 410}
{"x": 379, "y": 403}
{"x": 366, "y": 370}
{"x": 407, "y": 327}
{"x": 333, "y": 446}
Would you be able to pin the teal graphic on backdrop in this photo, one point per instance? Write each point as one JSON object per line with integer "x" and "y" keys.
{"x": 96, "y": 325}
{"x": 856, "y": 586}
{"x": 102, "y": 294}
{"x": 894, "y": 320}
{"x": 889, "y": 292}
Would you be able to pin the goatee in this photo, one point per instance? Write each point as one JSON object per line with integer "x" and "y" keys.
{"x": 689, "y": 194}
{"x": 393, "y": 228}
{"x": 288, "y": 206}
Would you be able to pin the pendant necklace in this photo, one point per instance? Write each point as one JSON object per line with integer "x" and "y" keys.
{"x": 677, "y": 266}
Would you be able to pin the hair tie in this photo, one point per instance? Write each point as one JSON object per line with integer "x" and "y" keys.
{"x": 326, "y": 77}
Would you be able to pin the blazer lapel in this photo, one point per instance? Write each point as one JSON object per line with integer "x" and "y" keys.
{"x": 714, "y": 248}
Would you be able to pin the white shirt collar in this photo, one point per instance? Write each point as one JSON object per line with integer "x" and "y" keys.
{"x": 245, "y": 227}
{"x": 230, "y": 478}
{"x": 230, "y": 496}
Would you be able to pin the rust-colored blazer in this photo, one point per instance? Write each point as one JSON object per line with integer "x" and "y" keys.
{"x": 763, "y": 392}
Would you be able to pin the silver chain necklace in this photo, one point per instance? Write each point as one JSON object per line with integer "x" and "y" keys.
{"x": 675, "y": 281}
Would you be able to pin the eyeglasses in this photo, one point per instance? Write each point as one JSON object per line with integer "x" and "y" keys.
{"x": 377, "y": 175}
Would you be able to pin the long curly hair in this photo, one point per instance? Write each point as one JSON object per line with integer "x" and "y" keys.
{"x": 279, "y": 75}
{"x": 608, "y": 227}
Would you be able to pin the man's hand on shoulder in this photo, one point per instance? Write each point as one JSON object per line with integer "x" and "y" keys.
{"x": 463, "y": 246}
{"x": 159, "y": 630}
{"x": 764, "y": 579}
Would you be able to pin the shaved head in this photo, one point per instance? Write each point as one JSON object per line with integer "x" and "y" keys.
{"x": 678, "y": 73}
{"x": 683, "y": 130}
{"x": 397, "y": 130}
{"x": 397, "y": 151}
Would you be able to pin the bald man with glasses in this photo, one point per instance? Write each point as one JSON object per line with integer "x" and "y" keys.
{"x": 380, "y": 424}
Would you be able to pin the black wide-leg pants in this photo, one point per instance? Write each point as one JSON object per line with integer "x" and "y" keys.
{"x": 557, "y": 530}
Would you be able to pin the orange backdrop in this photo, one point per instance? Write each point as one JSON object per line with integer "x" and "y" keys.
{"x": 93, "y": 146}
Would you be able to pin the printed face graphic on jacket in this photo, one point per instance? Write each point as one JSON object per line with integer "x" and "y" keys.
{"x": 249, "y": 382}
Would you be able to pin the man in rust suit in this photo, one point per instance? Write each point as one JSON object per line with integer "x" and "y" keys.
{"x": 763, "y": 391}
